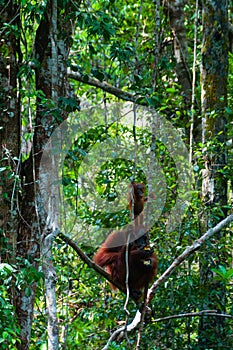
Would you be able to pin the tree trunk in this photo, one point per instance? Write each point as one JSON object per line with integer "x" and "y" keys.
{"x": 177, "y": 21}
{"x": 51, "y": 79}
{"x": 214, "y": 73}
{"x": 9, "y": 132}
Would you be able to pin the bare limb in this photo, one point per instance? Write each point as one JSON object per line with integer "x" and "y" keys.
{"x": 83, "y": 256}
{"x": 188, "y": 251}
{"x": 103, "y": 85}
{"x": 193, "y": 314}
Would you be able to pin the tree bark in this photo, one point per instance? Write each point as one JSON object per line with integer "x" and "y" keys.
{"x": 214, "y": 73}
{"x": 9, "y": 131}
{"x": 51, "y": 79}
{"x": 177, "y": 22}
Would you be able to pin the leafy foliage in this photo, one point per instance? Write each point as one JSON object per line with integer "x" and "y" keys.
{"x": 9, "y": 329}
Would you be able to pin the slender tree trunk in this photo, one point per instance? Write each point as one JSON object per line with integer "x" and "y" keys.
{"x": 214, "y": 73}
{"x": 177, "y": 21}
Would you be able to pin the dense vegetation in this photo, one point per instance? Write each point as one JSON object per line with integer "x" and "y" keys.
{"x": 122, "y": 90}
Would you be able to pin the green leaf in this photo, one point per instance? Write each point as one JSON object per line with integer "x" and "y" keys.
{"x": 28, "y": 292}
{"x": 6, "y": 267}
{"x": 171, "y": 90}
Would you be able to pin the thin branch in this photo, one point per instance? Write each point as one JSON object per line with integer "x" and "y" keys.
{"x": 148, "y": 212}
{"x": 194, "y": 314}
{"x": 88, "y": 261}
{"x": 103, "y": 85}
{"x": 156, "y": 43}
{"x": 188, "y": 251}
{"x": 193, "y": 84}
{"x": 138, "y": 24}
{"x": 127, "y": 276}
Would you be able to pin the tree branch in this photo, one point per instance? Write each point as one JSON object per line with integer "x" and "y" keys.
{"x": 118, "y": 333}
{"x": 194, "y": 314}
{"x": 190, "y": 249}
{"x": 89, "y": 262}
{"x": 103, "y": 85}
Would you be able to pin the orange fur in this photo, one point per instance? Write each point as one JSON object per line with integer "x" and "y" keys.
{"x": 136, "y": 199}
{"x": 142, "y": 261}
